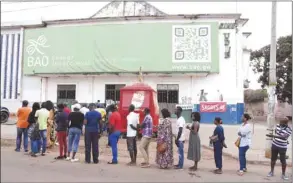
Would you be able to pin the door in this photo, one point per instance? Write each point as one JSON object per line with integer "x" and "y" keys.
{"x": 66, "y": 93}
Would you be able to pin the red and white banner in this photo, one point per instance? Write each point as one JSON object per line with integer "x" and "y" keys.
{"x": 212, "y": 106}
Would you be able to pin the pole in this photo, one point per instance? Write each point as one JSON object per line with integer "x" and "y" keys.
{"x": 272, "y": 80}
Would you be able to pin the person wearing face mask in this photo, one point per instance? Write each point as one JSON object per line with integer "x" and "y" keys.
{"x": 280, "y": 146}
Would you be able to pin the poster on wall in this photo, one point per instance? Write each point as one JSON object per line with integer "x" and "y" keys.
{"x": 138, "y": 99}
{"x": 213, "y": 107}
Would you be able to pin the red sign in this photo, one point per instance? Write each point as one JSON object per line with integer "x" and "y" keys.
{"x": 212, "y": 107}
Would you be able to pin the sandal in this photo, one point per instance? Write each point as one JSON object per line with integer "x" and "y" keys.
{"x": 112, "y": 163}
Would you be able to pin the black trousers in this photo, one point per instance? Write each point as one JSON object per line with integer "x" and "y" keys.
{"x": 91, "y": 141}
{"x": 278, "y": 151}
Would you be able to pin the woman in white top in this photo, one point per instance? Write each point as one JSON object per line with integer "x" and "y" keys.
{"x": 244, "y": 133}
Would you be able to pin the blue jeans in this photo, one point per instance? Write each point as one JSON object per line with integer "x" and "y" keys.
{"x": 218, "y": 150}
{"x": 114, "y": 137}
{"x": 43, "y": 141}
{"x": 73, "y": 139}
{"x": 35, "y": 146}
{"x": 242, "y": 157}
{"x": 21, "y": 131}
{"x": 181, "y": 154}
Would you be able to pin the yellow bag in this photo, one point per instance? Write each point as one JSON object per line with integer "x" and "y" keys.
{"x": 237, "y": 142}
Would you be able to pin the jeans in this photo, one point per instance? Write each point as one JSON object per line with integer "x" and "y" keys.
{"x": 73, "y": 139}
{"x": 144, "y": 148}
{"x": 218, "y": 149}
{"x": 91, "y": 141}
{"x": 242, "y": 157}
{"x": 113, "y": 142}
{"x": 181, "y": 153}
{"x": 34, "y": 146}
{"x": 43, "y": 141}
{"x": 62, "y": 135}
{"x": 21, "y": 131}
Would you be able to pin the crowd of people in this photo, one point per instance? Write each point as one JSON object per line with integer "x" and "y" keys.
{"x": 40, "y": 123}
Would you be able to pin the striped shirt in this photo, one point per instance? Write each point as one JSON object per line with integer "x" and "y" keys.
{"x": 282, "y": 131}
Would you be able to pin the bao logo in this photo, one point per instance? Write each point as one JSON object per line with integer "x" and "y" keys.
{"x": 35, "y": 50}
{"x": 138, "y": 99}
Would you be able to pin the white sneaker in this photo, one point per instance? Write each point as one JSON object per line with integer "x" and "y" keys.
{"x": 74, "y": 160}
{"x": 68, "y": 159}
{"x": 57, "y": 144}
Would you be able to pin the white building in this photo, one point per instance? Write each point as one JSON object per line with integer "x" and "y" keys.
{"x": 59, "y": 63}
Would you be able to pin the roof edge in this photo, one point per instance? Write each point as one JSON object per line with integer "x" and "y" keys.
{"x": 43, "y": 23}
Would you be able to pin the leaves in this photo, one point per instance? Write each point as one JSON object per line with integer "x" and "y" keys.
{"x": 259, "y": 60}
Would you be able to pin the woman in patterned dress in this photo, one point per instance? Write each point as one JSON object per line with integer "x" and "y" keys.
{"x": 51, "y": 137}
{"x": 165, "y": 160}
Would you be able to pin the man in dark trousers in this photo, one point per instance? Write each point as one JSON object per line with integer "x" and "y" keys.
{"x": 180, "y": 137}
{"x": 92, "y": 121}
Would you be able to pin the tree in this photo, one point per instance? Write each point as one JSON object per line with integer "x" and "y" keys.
{"x": 260, "y": 61}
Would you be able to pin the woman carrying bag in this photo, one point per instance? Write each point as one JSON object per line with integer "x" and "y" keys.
{"x": 243, "y": 142}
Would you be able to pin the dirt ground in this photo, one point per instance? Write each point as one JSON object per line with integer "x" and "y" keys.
{"x": 44, "y": 169}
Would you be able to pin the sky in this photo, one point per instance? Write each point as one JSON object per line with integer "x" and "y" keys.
{"x": 258, "y": 13}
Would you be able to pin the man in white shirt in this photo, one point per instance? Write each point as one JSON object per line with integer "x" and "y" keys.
{"x": 180, "y": 137}
{"x": 84, "y": 109}
{"x": 132, "y": 121}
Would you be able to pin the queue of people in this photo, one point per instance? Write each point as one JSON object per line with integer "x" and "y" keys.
{"x": 40, "y": 123}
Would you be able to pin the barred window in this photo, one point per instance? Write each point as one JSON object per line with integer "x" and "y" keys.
{"x": 112, "y": 92}
{"x": 168, "y": 93}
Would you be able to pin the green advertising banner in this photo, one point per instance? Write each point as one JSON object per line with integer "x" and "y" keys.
{"x": 122, "y": 48}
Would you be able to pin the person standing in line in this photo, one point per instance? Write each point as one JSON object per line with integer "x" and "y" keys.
{"x": 51, "y": 135}
{"x": 115, "y": 127}
{"x": 22, "y": 126}
{"x": 165, "y": 136}
{"x": 244, "y": 133}
{"x": 180, "y": 137}
{"x": 280, "y": 146}
{"x": 218, "y": 139}
{"x": 102, "y": 111}
{"x": 33, "y": 129}
{"x": 75, "y": 104}
{"x": 92, "y": 123}
{"x": 147, "y": 133}
{"x": 66, "y": 109}
{"x": 194, "y": 147}
{"x": 42, "y": 116}
{"x": 109, "y": 111}
{"x": 62, "y": 127}
{"x": 76, "y": 119}
{"x": 132, "y": 122}
{"x": 84, "y": 110}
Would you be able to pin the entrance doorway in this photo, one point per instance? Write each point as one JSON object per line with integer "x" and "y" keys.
{"x": 168, "y": 96}
{"x": 66, "y": 93}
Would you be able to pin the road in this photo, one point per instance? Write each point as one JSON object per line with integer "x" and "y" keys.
{"x": 18, "y": 167}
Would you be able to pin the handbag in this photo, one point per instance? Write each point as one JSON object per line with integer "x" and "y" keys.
{"x": 161, "y": 148}
{"x": 237, "y": 142}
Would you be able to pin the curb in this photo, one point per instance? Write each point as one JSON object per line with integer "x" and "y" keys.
{"x": 253, "y": 162}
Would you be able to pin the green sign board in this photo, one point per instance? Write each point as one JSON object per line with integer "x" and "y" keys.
{"x": 122, "y": 48}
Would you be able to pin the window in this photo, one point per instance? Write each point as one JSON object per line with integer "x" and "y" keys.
{"x": 66, "y": 93}
{"x": 113, "y": 92}
{"x": 168, "y": 93}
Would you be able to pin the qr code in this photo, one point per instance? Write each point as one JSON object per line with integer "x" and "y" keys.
{"x": 191, "y": 43}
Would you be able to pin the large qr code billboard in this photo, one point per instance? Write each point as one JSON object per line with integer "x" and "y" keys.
{"x": 191, "y": 43}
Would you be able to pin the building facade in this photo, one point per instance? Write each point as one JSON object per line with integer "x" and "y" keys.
{"x": 185, "y": 58}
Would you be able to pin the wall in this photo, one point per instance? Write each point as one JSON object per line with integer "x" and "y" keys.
{"x": 11, "y": 68}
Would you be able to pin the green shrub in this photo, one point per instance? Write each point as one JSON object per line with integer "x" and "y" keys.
{"x": 253, "y": 96}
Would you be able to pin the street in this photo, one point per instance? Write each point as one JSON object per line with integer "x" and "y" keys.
{"x": 19, "y": 167}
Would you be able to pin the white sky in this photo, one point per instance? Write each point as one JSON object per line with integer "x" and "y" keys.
{"x": 259, "y": 14}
